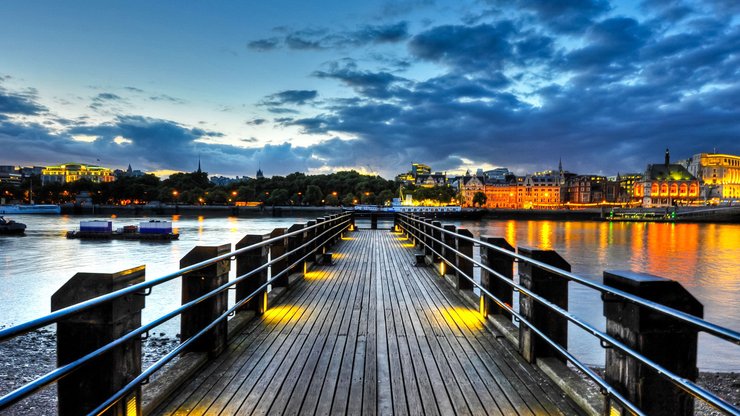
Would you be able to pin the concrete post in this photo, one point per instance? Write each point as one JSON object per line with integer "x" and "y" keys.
{"x": 245, "y": 263}
{"x": 502, "y": 264}
{"x": 667, "y": 341}
{"x": 277, "y": 249}
{"x": 465, "y": 265}
{"x": 196, "y": 284}
{"x": 554, "y": 289}
{"x": 92, "y": 384}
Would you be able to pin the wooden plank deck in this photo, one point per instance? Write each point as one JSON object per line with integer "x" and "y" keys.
{"x": 371, "y": 334}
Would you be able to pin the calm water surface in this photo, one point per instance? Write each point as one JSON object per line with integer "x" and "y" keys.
{"x": 705, "y": 258}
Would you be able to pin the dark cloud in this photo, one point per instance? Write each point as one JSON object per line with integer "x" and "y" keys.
{"x": 469, "y": 48}
{"x": 256, "y": 121}
{"x": 281, "y": 110}
{"x": 167, "y": 98}
{"x": 321, "y": 38}
{"x": 296, "y": 97}
{"x": 107, "y": 96}
{"x": 106, "y": 102}
{"x": 370, "y": 84}
{"x": 19, "y": 103}
{"x": 565, "y": 15}
{"x": 134, "y": 89}
{"x": 264, "y": 44}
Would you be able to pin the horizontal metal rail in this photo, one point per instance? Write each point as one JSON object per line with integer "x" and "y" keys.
{"x": 55, "y": 316}
{"x": 680, "y": 382}
{"x": 705, "y": 326}
{"x": 169, "y": 356}
{"x": 55, "y": 375}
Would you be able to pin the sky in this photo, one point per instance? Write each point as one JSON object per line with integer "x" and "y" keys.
{"x": 322, "y": 86}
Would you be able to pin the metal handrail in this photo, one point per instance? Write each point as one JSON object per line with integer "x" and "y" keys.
{"x": 31, "y": 387}
{"x": 684, "y": 384}
{"x": 57, "y": 315}
{"x": 708, "y": 327}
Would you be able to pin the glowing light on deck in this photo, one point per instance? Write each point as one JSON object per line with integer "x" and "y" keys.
{"x": 277, "y": 314}
{"x": 463, "y": 317}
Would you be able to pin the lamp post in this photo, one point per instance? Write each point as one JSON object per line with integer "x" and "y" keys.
{"x": 174, "y": 196}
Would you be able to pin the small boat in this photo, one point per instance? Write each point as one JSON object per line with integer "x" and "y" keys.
{"x": 11, "y": 227}
{"x": 30, "y": 209}
{"x": 153, "y": 230}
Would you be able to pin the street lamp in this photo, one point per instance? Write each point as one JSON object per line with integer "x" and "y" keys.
{"x": 174, "y": 196}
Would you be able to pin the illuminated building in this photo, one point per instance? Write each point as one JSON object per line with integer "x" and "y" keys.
{"x": 10, "y": 175}
{"x": 503, "y": 194}
{"x": 71, "y": 172}
{"x": 627, "y": 185}
{"x": 589, "y": 189}
{"x": 469, "y": 186}
{"x": 666, "y": 185}
{"x": 540, "y": 191}
{"x": 420, "y": 169}
{"x": 719, "y": 173}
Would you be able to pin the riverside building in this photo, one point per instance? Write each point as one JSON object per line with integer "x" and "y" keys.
{"x": 720, "y": 174}
{"x": 70, "y": 172}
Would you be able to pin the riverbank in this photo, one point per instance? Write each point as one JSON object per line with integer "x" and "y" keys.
{"x": 27, "y": 357}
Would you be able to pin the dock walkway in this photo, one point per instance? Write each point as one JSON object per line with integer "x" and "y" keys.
{"x": 371, "y": 334}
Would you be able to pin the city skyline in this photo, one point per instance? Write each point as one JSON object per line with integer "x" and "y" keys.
{"x": 369, "y": 86}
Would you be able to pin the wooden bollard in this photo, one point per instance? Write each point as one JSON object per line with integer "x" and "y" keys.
{"x": 245, "y": 263}
{"x": 92, "y": 384}
{"x": 436, "y": 241}
{"x": 464, "y": 265}
{"x": 662, "y": 339}
{"x": 501, "y": 264}
{"x": 310, "y": 235}
{"x": 319, "y": 244}
{"x": 294, "y": 242}
{"x": 277, "y": 249}
{"x": 426, "y": 222}
{"x": 373, "y": 220}
{"x": 554, "y": 289}
{"x": 448, "y": 252}
{"x": 196, "y": 284}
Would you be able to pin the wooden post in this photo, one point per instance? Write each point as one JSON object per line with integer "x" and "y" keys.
{"x": 502, "y": 264}
{"x": 277, "y": 249}
{"x": 373, "y": 220}
{"x": 551, "y": 287}
{"x": 93, "y": 383}
{"x": 665, "y": 340}
{"x": 437, "y": 241}
{"x": 294, "y": 242}
{"x": 396, "y": 223}
{"x": 310, "y": 235}
{"x": 448, "y": 253}
{"x": 465, "y": 265}
{"x": 319, "y": 244}
{"x": 245, "y": 263}
{"x": 196, "y": 284}
{"x": 427, "y": 236}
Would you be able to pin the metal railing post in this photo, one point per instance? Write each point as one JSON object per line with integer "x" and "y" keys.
{"x": 554, "y": 289}
{"x": 665, "y": 340}
{"x": 246, "y": 262}
{"x": 464, "y": 262}
{"x": 93, "y": 383}
{"x": 196, "y": 284}
{"x": 501, "y": 264}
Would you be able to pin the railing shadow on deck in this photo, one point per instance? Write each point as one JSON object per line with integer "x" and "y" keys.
{"x": 652, "y": 322}
{"x": 98, "y": 315}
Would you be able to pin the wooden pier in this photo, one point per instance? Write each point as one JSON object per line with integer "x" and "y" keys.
{"x": 370, "y": 334}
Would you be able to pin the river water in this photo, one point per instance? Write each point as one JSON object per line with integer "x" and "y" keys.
{"x": 705, "y": 258}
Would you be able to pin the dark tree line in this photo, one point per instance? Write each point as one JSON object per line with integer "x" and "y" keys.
{"x": 347, "y": 187}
